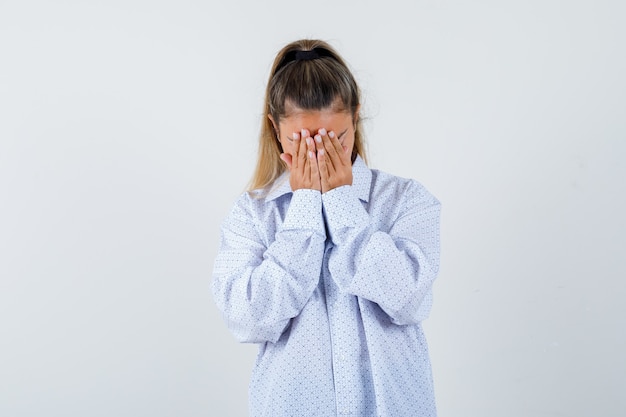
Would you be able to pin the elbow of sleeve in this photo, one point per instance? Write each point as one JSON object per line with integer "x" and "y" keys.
{"x": 246, "y": 325}
{"x": 415, "y": 311}
{"x": 419, "y": 304}
{"x": 256, "y": 333}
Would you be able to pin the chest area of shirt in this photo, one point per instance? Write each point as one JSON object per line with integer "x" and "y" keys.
{"x": 382, "y": 215}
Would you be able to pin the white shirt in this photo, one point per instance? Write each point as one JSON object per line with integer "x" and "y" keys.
{"x": 333, "y": 288}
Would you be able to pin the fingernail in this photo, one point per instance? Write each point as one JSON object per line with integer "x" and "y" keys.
{"x": 311, "y": 154}
{"x": 322, "y": 132}
{"x": 296, "y": 136}
{"x": 309, "y": 141}
{"x": 331, "y": 134}
{"x": 318, "y": 138}
{"x": 321, "y": 152}
{"x": 304, "y": 133}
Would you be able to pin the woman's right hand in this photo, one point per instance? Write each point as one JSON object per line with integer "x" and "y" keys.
{"x": 302, "y": 162}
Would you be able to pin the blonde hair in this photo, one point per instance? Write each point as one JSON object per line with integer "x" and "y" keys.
{"x": 309, "y": 84}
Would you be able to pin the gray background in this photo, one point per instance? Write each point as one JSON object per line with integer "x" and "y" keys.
{"x": 127, "y": 129}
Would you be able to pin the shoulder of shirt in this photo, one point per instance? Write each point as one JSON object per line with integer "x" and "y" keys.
{"x": 256, "y": 197}
{"x": 382, "y": 180}
{"x": 246, "y": 206}
{"x": 253, "y": 197}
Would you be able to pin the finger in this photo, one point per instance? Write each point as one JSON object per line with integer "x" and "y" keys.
{"x": 323, "y": 169}
{"x": 310, "y": 153}
{"x": 312, "y": 174}
{"x": 302, "y": 148}
{"x": 315, "y": 173}
{"x": 287, "y": 159}
{"x": 295, "y": 136}
{"x": 339, "y": 149}
{"x": 311, "y": 150}
{"x": 319, "y": 144}
{"x": 296, "y": 148}
{"x": 330, "y": 153}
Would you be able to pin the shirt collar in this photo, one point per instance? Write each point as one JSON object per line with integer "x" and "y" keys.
{"x": 361, "y": 182}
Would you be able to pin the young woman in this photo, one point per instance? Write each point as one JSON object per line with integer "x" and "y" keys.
{"x": 325, "y": 263}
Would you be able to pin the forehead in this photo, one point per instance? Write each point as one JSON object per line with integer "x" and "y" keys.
{"x": 316, "y": 119}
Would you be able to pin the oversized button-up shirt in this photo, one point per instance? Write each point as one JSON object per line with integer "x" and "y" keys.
{"x": 333, "y": 288}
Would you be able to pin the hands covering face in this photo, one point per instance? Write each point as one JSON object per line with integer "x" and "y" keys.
{"x": 319, "y": 163}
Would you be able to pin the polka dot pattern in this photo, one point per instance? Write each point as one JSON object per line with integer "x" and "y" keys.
{"x": 333, "y": 288}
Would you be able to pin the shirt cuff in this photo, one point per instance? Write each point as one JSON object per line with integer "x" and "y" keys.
{"x": 305, "y": 212}
{"x": 343, "y": 209}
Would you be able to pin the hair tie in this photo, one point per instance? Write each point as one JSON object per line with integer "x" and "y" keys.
{"x": 306, "y": 55}
{"x": 293, "y": 56}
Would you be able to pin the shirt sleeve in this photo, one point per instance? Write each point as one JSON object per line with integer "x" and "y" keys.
{"x": 394, "y": 268}
{"x": 260, "y": 287}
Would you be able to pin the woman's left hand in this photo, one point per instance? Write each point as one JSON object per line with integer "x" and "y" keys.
{"x": 334, "y": 161}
